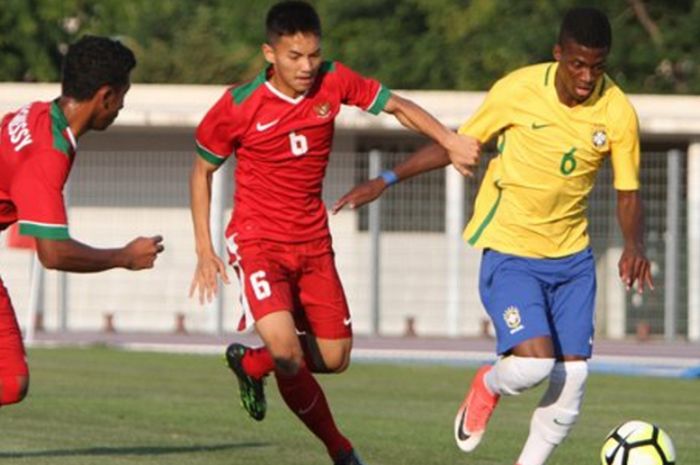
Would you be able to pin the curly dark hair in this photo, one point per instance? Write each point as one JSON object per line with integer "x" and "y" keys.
{"x": 93, "y": 62}
{"x": 290, "y": 17}
{"x": 586, "y": 26}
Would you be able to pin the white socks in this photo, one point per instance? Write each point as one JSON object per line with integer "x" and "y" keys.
{"x": 556, "y": 413}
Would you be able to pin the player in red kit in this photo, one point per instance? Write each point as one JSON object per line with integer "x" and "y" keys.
{"x": 37, "y": 147}
{"x": 280, "y": 128}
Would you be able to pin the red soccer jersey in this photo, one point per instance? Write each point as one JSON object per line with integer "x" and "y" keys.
{"x": 282, "y": 147}
{"x": 36, "y": 154}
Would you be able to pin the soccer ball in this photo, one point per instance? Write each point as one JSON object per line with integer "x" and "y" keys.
{"x": 638, "y": 443}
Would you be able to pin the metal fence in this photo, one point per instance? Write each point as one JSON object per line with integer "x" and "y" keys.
{"x": 403, "y": 273}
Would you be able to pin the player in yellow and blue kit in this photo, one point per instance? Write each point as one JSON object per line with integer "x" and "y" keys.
{"x": 556, "y": 124}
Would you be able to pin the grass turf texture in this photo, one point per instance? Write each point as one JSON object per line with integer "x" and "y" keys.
{"x": 89, "y": 406}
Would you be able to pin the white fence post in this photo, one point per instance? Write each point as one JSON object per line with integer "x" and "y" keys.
{"x": 673, "y": 206}
{"x": 615, "y": 300}
{"x": 36, "y": 290}
{"x": 454, "y": 223}
{"x": 216, "y": 225}
{"x": 374, "y": 227}
{"x": 693, "y": 207}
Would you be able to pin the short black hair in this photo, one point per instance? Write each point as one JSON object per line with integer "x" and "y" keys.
{"x": 93, "y": 62}
{"x": 289, "y": 18}
{"x": 586, "y": 26}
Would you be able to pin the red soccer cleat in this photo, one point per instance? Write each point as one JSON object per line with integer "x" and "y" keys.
{"x": 474, "y": 413}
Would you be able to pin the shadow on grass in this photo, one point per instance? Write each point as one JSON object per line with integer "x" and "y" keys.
{"x": 145, "y": 450}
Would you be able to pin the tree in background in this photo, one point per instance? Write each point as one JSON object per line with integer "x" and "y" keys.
{"x": 411, "y": 44}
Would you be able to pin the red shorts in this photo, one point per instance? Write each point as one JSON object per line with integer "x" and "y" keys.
{"x": 300, "y": 278}
{"x": 13, "y": 360}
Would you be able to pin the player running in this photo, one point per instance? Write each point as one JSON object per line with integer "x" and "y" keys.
{"x": 38, "y": 145}
{"x": 280, "y": 127}
{"x": 557, "y": 123}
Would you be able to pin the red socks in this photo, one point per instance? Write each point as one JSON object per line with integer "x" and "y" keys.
{"x": 258, "y": 362}
{"x": 303, "y": 395}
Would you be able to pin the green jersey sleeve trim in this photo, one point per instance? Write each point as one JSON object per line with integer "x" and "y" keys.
{"x": 546, "y": 75}
{"x": 380, "y": 100}
{"x": 240, "y": 94}
{"x": 211, "y": 157}
{"x": 603, "y": 84}
{"x": 328, "y": 66}
{"x": 475, "y": 237}
{"x": 44, "y": 231}
{"x": 59, "y": 123}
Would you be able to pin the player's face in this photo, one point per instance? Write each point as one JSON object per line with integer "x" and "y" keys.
{"x": 579, "y": 70}
{"x": 296, "y": 60}
{"x": 109, "y": 101}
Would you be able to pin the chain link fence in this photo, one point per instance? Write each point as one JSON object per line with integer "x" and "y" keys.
{"x": 116, "y": 195}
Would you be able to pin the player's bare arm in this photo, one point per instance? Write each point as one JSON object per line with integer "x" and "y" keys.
{"x": 209, "y": 265}
{"x": 463, "y": 151}
{"x": 71, "y": 255}
{"x": 634, "y": 266}
{"x": 428, "y": 158}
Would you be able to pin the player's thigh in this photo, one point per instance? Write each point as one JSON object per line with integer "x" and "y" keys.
{"x": 13, "y": 362}
{"x": 515, "y": 301}
{"x": 322, "y": 300}
{"x": 265, "y": 281}
{"x": 573, "y": 306}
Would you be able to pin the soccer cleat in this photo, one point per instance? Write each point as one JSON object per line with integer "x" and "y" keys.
{"x": 474, "y": 413}
{"x": 348, "y": 458}
{"x": 251, "y": 389}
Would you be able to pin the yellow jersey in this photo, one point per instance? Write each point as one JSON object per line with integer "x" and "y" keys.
{"x": 533, "y": 198}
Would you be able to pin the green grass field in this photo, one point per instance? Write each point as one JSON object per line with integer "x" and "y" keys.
{"x": 108, "y": 407}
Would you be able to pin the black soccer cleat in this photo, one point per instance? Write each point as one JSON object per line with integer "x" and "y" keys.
{"x": 252, "y": 390}
{"x": 348, "y": 458}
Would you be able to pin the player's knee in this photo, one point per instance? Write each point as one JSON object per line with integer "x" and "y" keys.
{"x": 337, "y": 361}
{"x": 512, "y": 375}
{"x": 13, "y": 389}
{"x": 288, "y": 360}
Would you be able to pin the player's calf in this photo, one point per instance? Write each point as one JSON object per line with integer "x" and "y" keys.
{"x": 13, "y": 389}
{"x": 557, "y": 411}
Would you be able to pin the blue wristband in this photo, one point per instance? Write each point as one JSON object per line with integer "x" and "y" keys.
{"x": 389, "y": 177}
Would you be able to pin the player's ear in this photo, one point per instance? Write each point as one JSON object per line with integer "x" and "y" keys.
{"x": 103, "y": 96}
{"x": 268, "y": 53}
{"x": 557, "y": 52}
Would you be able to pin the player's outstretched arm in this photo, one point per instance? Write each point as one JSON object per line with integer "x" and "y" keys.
{"x": 209, "y": 265}
{"x": 634, "y": 266}
{"x": 71, "y": 255}
{"x": 427, "y": 158}
{"x": 463, "y": 151}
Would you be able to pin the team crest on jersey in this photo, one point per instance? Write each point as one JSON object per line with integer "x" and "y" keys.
{"x": 512, "y": 318}
{"x": 323, "y": 110}
{"x": 599, "y": 138}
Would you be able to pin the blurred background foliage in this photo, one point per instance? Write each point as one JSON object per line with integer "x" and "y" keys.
{"x": 408, "y": 44}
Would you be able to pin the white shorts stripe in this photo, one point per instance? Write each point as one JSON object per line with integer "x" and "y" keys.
{"x": 247, "y": 315}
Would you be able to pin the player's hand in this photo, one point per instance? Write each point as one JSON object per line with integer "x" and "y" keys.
{"x": 635, "y": 269}
{"x": 360, "y": 195}
{"x": 141, "y": 253}
{"x": 464, "y": 153}
{"x": 205, "y": 282}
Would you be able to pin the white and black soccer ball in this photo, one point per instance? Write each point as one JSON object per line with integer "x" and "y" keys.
{"x": 638, "y": 443}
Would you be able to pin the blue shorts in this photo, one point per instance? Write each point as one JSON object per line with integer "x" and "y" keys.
{"x": 533, "y": 297}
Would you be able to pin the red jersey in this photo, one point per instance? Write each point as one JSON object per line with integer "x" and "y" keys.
{"x": 282, "y": 147}
{"x": 37, "y": 149}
